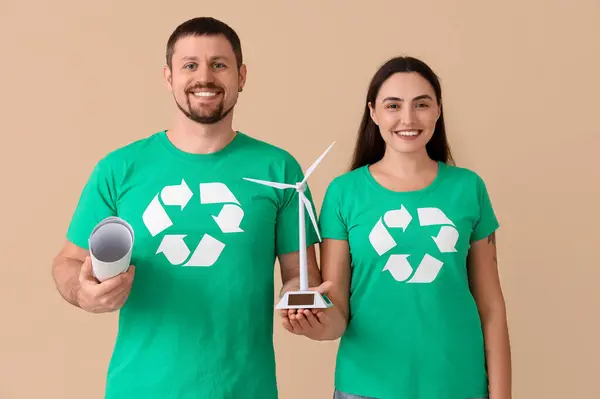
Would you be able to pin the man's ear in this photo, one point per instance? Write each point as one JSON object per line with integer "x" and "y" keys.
{"x": 168, "y": 76}
{"x": 242, "y": 77}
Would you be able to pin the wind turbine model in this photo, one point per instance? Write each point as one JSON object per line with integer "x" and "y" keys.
{"x": 303, "y": 298}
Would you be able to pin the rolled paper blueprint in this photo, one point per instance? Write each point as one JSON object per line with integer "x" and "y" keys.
{"x": 111, "y": 245}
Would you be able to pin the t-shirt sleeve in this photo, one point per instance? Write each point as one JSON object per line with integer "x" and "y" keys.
{"x": 97, "y": 201}
{"x": 287, "y": 228}
{"x": 487, "y": 222}
{"x": 331, "y": 221}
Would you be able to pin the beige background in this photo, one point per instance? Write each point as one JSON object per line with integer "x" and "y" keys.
{"x": 521, "y": 82}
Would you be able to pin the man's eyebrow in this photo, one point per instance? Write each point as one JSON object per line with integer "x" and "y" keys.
{"x": 214, "y": 58}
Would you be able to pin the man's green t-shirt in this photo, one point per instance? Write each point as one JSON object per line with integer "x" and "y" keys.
{"x": 199, "y": 320}
{"x": 414, "y": 329}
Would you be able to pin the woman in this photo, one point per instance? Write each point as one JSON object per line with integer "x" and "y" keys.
{"x": 409, "y": 256}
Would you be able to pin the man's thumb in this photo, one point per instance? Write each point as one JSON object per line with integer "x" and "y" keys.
{"x": 85, "y": 274}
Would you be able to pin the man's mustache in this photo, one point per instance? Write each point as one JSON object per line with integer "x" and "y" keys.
{"x": 200, "y": 86}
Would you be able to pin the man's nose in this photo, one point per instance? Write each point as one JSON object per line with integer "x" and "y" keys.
{"x": 204, "y": 74}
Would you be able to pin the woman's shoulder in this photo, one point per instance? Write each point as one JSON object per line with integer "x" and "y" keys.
{"x": 462, "y": 173}
{"x": 348, "y": 180}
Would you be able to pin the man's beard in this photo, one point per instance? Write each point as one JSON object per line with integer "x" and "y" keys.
{"x": 216, "y": 116}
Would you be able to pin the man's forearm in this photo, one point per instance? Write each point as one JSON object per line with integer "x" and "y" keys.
{"x": 65, "y": 272}
{"x": 497, "y": 348}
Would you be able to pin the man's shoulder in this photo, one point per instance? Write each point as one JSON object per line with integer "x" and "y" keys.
{"x": 267, "y": 149}
{"x": 128, "y": 152}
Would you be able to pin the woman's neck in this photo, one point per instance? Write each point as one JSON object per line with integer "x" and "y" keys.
{"x": 405, "y": 171}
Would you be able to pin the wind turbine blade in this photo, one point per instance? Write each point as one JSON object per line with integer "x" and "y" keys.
{"x": 316, "y": 163}
{"x": 270, "y": 183}
{"x": 311, "y": 213}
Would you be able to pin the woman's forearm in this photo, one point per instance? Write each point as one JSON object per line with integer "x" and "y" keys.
{"x": 498, "y": 357}
{"x": 336, "y": 326}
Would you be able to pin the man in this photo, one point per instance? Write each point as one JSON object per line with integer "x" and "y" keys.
{"x": 196, "y": 306}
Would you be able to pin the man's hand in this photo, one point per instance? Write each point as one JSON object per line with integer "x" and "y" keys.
{"x": 316, "y": 324}
{"x": 101, "y": 297}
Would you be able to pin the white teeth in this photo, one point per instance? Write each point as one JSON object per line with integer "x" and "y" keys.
{"x": 205, "y": 94}
{"x": 409, "y": 133}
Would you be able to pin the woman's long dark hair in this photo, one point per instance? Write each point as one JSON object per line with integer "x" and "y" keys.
{"x": 370, "y": 146}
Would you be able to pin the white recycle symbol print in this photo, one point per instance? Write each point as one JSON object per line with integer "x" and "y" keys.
{"x": 398, "y": 264}
{"x": 209, "y": 248}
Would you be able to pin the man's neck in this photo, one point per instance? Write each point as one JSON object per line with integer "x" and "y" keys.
{"x": 195, "y": 138}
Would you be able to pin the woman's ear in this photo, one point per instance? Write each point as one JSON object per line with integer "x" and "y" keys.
{"x": 372, "y": 112}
